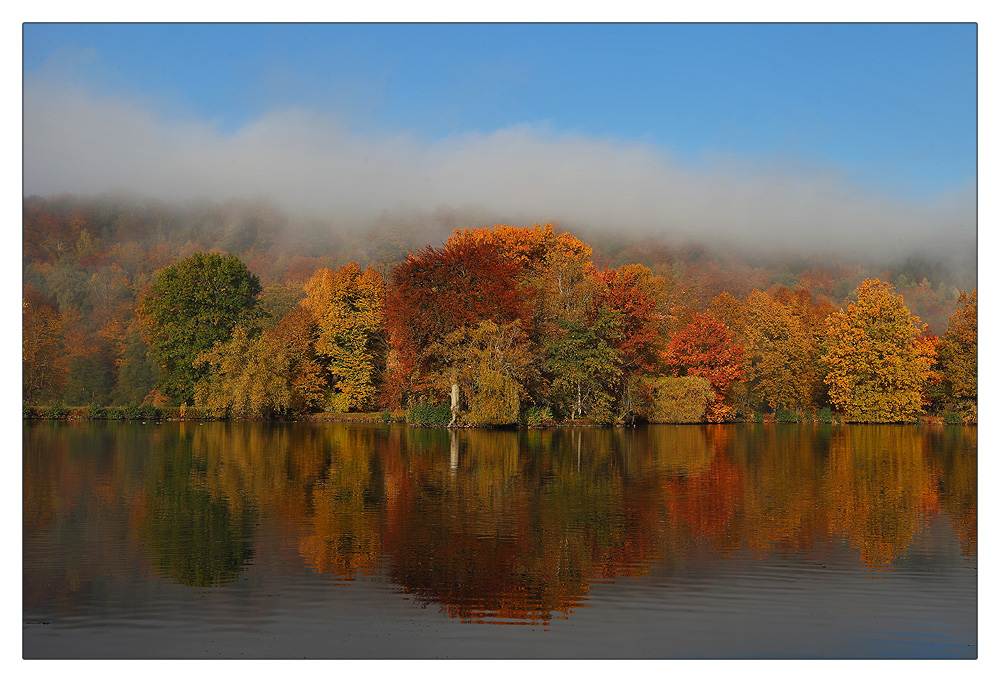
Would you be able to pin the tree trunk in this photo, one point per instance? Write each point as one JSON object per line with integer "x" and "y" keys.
{"x": 454, "y": 402}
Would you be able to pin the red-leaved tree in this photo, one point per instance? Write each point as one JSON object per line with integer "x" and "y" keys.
{"x": 705, "y": 348}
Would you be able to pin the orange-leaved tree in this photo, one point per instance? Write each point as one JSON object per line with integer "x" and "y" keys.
{"x": 877, "y": 366}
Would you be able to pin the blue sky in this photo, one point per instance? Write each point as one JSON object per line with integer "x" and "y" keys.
{"x": 893, "y": 105}
{"x": 885, "y": 113}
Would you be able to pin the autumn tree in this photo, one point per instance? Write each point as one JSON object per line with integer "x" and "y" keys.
{"x": 679, "y": 400}
{"x": 438, "y": 291}
{"x": 348, "y": 306}
{"x": 192, "y": 305}
{"x": 876, "y": 366}
{"x": 585, "y": 366}
{"x": 706, "y": 348}
{"x": 270, "y": 375}
{"x": 492, "y": 362}
{"x": 43, "y": 365}
{"x": 778, "y": 353}
{"x": 959, "y": 351}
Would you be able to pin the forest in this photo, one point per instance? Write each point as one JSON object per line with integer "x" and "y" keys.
{"x": 134, "y": 308}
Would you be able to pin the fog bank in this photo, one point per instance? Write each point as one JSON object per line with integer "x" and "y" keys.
{"x": 313, "y": 166}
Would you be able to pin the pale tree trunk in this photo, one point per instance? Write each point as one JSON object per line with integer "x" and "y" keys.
{"x": 454, "y": 401}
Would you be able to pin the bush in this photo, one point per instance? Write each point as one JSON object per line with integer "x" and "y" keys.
{"x": 952, "y": 418}
{"x": 132, "y": 411}
{"x": 824, "y": 416}
{"x": 679, "y": 400}
{"x": 535, "y": 416}
{"x": 150, "y": 412}
{"x": 386, "y": 416}
{"x": 429, "y": 415}
{"x": 785, "y": 415}
{"x": 56, "y": 412}
{"x": 114, "y": 413}
{"x": 758, "y": 417}
{"x": 95, "y": 411}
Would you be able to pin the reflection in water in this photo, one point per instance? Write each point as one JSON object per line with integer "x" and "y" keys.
{"x": 489, "y": 525}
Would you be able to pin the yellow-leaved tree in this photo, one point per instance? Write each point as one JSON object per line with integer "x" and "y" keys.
{"x": 348, "y": 306}
{"x": 877, "y": 364}
{"x": 778, "y": 353}
{"x": 268, "y": 375}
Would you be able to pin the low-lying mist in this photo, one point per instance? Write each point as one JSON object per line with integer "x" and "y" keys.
{"x": 326, "y": 177}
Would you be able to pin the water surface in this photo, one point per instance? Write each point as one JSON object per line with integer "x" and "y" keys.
{"x": 190, "y": 540}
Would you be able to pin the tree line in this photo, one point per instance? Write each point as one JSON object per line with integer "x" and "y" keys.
{"x": 500, "y": 326}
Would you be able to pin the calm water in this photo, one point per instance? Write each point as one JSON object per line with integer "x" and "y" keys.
{"x": 355, "y": 541}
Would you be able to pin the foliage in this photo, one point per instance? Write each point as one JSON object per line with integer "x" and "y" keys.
{"x": 705, "y": 348}
{"x": 132, "y": 412}
{"x": 95, "y": 411}
{"x": 584, "y": 365}
{"x": 272, "y": 375}
{"x": 43, "y": 364}
{"x": 438, "y": 292}
{"x": 350, "y": 345}
{"x": 824, "y": 415}
{"x": 137, "y": 374}
{"x": 423, "y": 414}
{"x": 535, "y": 416}
{"x": 877, "y": 367}
{"x": 952, "y": 418}
{"x": 591, "y": 336}
{"x": 56, "y": 412}
{"x": 959, "y": 350}
{"x": 778, "y": 353}
{"x": 679, "y": 400}
{"x": 783, "y": 414}
{"x": 192, "y": 305}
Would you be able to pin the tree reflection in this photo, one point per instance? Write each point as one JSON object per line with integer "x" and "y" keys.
{"x": 954, "y": 451}
{"x": 197, "y": 539}
{"x": 488, "y": 525}
{"x": 882, "y": 490}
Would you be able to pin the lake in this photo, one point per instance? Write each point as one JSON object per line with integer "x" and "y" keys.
{"x": 335, "y": 540}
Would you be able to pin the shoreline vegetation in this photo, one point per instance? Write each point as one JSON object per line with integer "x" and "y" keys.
{"x": 147, "y": 413}
{"x": 498, "y": 327}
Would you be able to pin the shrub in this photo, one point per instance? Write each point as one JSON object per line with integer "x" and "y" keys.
{"x": 29, "y": 412}
{"x": 132, "y": 411}
{"x": 785, "y": 415}
{"x": 952, "y": 418}
{"x": 95, "y": 411}
{"x": 535, "y": 416}
{"x": 386, "y": 416}
{"x": 114, "y": 413}
{"x": 758, "y": 417}
{"x": 150, "y": 412}
{"x": 56, "y": 412}
{"x": 429, "y": 415}
{"x": 824, "y": 416}
{"x": 679, "y": 400}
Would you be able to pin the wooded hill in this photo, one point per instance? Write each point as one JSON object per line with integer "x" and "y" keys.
{"x": 243, "y": 311}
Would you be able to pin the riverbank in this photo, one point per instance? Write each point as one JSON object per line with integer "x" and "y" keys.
{"x": 147, "y": 413}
